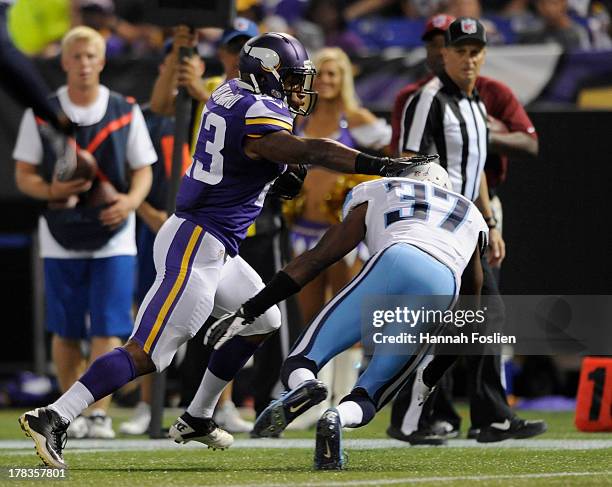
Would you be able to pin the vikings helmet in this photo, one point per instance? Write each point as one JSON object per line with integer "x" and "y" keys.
{"x": 427, "y": 168}
{"x": 278, "y": 65}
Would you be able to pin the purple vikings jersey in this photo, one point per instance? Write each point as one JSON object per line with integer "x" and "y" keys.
{"x": 223, "y": 190}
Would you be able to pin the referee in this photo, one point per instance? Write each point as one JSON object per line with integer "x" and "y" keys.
{"x": 447, "y": 116}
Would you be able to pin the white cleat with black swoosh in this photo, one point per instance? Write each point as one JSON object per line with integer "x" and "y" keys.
{"x": 275, "y": 418}
{"x": 203, "y": 430}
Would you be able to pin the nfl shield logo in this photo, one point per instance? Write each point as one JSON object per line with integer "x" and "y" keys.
{"x": 468, "y": 26}
{"x": 439, "y": 21}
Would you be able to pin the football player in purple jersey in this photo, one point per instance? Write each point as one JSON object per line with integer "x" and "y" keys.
{"x": 245, "y": 146}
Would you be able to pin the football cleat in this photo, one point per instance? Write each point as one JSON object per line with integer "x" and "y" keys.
{"x": 328, "y": 447}
{"x": 275, "y": 418}
{"x": 203, "y": 430}
{"x": 423, "y": 436}
{"x": 473, "y": 433}
{"x": 100, "y": 426}
{"x": 139, "y": 423}
{"x": 445, "y": 429}
{"x": 78, "y": 428}
{"x": 514, "y": 428}
{"x": 228, "y": 418}
{"x": 48, "y": 431}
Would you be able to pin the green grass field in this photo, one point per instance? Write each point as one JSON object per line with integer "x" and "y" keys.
{"x": 563, "y": 456}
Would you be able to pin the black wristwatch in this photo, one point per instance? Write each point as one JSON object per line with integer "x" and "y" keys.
{"x": 491, "y": 222}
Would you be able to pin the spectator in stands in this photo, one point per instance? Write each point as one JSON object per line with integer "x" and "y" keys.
{"x": 419, "y": 9}
{"x": 100, "y": 15}
{"x": 324, "y": 25}
{"x": 557, "y": 26}
{"x": 337, "y": 115}
{"x": 122, "y": 37}
{"x": 473, "y": 9}
{"x": 88, "y": 248}
{"x": 506, "y": 7}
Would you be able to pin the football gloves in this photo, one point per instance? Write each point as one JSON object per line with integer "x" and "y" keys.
{"x": 65, "y": 149}
{"x": 289, "y": 184}
{"x": 395, "y": 167}
{"x": 225, "y": 328}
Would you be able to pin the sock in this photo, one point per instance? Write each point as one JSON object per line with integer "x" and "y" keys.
{"x": 206, "y": 397}
{"x": 73, "y": 402}
{"x": 298, "y": 376}
{"x": 108, "y": 373}
{"x": 295, "y": 362}
{"x": 223, "y": 365}
{"x": 357, "y": 399}
{"x": 350, "y": 413}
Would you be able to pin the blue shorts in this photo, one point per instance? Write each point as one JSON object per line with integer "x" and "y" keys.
{"x": 104, "y": 288}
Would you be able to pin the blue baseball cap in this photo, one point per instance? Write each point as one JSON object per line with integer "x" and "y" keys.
{"x": 240, "y": 27}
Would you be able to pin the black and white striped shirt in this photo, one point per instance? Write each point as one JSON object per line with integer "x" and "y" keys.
{"x": 440, "y": 118}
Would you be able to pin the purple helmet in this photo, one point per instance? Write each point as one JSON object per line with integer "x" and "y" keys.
{"x": 277, "y": 65}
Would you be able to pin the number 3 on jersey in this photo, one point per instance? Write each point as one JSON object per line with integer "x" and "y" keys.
{"x": 210, "y": 170}
{"x": 416, "y": 195}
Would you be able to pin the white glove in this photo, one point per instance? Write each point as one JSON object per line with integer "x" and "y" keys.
{"x": 226, "y": 327}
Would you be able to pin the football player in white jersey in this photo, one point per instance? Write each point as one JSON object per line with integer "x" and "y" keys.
{"x": 422, "y": 237}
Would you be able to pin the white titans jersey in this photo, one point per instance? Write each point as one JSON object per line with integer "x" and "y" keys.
{"x": 442, "y": 223}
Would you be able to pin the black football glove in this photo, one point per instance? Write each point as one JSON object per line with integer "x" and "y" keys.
{"x": 289, "y": 184}
{"x": 225, "y": 328}
{"x": 394, "y": 167}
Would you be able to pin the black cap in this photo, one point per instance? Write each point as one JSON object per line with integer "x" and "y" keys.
{"x": 465, "y": 29}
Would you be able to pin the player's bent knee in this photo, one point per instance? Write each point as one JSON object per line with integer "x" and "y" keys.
{"x": 270, "y": 321}
{"x": 143, "y": 364}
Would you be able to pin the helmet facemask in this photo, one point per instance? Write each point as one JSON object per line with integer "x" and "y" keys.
{"x": 282, "y": 82}
{"x": 299, "y": 82}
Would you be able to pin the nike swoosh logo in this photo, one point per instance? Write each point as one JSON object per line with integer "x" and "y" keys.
{"x": 293, "y": 409}
{"x": 327, "y": 453}
{"x": 502, "y": 426}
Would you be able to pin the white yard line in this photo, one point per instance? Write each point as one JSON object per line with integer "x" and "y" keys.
{"x": 422, "y": 480}
{"x": 84, "y": 446}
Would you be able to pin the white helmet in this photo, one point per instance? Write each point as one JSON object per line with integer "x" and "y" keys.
{"x": 427, "y": 168}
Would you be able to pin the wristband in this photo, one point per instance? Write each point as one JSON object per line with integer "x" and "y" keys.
{"x": 367, "y": 164}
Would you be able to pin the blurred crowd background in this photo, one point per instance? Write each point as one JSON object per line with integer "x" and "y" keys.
{"x": 357, "y": 26}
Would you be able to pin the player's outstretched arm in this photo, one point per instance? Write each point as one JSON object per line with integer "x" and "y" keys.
{"x": 338, "y": 241}
{"x": 286, "y": 148}
{"x": 335, "y": 244}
